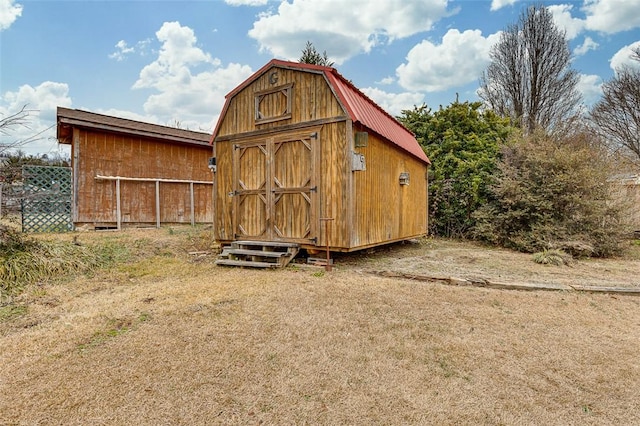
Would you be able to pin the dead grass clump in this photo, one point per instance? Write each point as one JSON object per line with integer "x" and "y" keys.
{"x": 553, "y": 257}
{"x": 26, "y": 260}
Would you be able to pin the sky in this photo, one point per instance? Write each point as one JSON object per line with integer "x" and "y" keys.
{"x": 173, "y": 62}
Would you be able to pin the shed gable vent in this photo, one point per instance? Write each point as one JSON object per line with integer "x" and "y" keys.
{"x": 273, "y": 104}
{"x": 362, "y": 139}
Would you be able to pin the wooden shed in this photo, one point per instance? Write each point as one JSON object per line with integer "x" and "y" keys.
{"x": 127, "y": 173}
{"x": 298, "y": 148}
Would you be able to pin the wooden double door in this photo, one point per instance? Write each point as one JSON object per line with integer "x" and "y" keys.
{"x": 275, "y": 195}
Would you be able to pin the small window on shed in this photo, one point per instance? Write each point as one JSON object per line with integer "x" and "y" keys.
{"x": 273, "y": 104}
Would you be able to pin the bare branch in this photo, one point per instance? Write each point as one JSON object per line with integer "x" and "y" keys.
{"x": 617, "y": 114}
{"x": 17, "y": 119}
{"x": 529, "y": 78}
{"x": 12, "y": 122}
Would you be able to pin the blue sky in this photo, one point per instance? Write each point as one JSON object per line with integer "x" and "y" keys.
{"x": 169, "y": 62}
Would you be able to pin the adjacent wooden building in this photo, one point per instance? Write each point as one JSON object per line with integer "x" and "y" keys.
{"x": 127, "y": 173}
{"x": 299, "y": 151}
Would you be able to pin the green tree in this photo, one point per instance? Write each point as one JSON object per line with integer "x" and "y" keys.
{"x": 311, "y": 56}
{"x": 463, "y": 143}
{"x": 554, "y": 192}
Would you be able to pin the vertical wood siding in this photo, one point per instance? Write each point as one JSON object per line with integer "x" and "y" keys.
{"x": 384, "y": 210}
{"x": 224, "y": 186}
{"x": 335, "y": 167}
{"x": 110, "y": 154}
{"x": 312, "y": 99}
{"x": 368, "y": 207}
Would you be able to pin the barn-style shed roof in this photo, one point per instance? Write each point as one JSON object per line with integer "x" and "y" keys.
{"x": 359, "y": 107}
{"x": 68, "y": 118}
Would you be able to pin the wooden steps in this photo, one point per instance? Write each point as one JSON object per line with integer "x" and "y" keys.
{"x": 258, "y": 254}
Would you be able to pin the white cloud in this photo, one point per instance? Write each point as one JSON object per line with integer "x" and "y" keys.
{"x": 590, "y": 86}
{"x": 9, "y": 12}
{"x": 246, "y": 2}
{"x": 623, "y": 57}
{"x": 177, "y": 53}
{"x": 387, "y": 80}
{"x": 191, "y": 84}
{"x": 611, "y": 16}
{"x": 394, "y": 103}
{"x": 499, "y": 4}
{"x": 343, "y": 31}
{"x": 122, "y": 50}
{"x": 586, "y": 46}
{"x": 459, "y": 60}
{"x": 43, "y": 100}
{"x": 564, "y": 21}
{"x": 606, "y": 16}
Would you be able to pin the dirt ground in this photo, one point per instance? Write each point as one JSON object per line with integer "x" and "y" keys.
{"x": 170, "y": 338}
{"x": 467, "y": 260}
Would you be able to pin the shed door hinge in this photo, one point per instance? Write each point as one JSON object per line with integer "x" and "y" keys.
{"x": 314, "y": 135}
{"x": 314, "y": 189}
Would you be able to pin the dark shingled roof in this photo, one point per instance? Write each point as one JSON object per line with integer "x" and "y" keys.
{"x": 68, "y": 118}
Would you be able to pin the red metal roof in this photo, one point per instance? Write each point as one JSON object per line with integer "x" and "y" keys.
{"x": 358, "y": 106}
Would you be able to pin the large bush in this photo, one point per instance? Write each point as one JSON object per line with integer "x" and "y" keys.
{"x": 463, "y": 143}
{"x": 554, "y": 193}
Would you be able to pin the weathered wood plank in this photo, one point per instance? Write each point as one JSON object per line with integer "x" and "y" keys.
{"x": 261, "y": 253}
{"x": 263, "y": 244}
{"x": 511, "y": 286}
{"x": 246, "y": 263}
{"x": 95, "y": 201}
{"x": 285, "y": 128}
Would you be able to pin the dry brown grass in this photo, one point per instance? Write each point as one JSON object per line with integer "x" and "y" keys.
{"x": 170, "y": 339}
{"x": 469, "y": 260}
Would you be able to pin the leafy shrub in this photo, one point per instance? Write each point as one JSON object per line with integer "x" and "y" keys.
{"x": 463, "y": 143}
{"x": 553, "y": 193}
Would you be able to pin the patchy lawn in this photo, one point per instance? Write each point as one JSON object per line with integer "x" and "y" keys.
{"x": 468, "y": 260}
{"x": 170, "y": 338}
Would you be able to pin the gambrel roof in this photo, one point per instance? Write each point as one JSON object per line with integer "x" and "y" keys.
{"x": 360, "y": 109}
